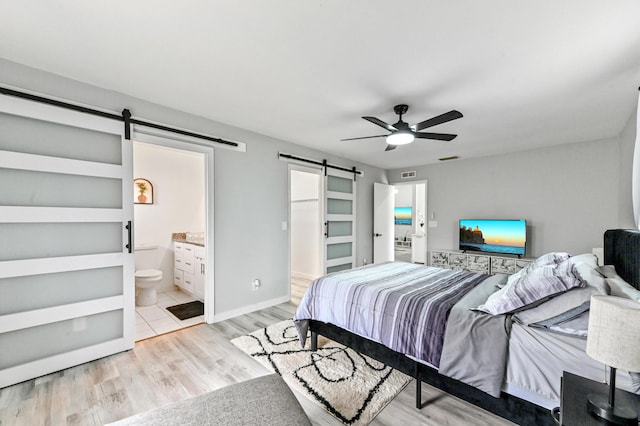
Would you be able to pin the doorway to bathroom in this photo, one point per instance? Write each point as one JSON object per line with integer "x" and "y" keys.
{"x": 173, "y": 233}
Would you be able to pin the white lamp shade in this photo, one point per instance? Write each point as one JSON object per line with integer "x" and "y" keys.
{"x": 613, "y": 337}
{"x": 400, "y": 138}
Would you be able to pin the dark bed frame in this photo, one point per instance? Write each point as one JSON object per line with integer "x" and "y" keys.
{"x": 621, "y": 249}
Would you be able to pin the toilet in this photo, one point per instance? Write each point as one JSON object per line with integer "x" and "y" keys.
{"x": 147, "y": 278}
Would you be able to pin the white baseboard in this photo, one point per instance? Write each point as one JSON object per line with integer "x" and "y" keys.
{"x": 250, "y": 308}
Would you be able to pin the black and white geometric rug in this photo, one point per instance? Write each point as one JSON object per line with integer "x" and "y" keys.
{"x": 352, "y": 387}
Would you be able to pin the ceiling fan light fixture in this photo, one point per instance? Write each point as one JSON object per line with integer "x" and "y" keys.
{"x": 400, "y": 138}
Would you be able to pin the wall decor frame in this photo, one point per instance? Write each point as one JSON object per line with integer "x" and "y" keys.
{"x": 142, "y": 191}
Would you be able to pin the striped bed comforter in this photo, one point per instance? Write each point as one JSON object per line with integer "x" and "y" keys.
{"x": 401, "y": 305}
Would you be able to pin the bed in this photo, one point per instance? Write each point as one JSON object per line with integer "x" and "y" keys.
{"x": 498, "y": 382}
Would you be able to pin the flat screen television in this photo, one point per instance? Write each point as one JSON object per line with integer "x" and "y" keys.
{"x": 493, "y": 236}
{"x": 402, "y": 215}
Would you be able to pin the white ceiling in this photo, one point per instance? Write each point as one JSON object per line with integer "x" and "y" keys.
{"x": 524, "y": 74}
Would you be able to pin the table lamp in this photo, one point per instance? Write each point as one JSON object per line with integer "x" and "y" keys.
{"x": 613, "y": 338}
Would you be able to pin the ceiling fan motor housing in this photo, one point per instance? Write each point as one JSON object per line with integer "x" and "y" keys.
{"x": 401, "y": 109}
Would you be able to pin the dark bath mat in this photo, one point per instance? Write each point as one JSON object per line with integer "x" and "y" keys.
{"x": 187, "y": 310}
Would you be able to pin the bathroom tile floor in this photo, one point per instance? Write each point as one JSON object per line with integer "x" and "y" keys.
{"x": 154, "y": 320}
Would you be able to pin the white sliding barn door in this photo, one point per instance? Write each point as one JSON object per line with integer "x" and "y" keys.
{"x": 339, "y": 221}
{"x": 66, "y": 273}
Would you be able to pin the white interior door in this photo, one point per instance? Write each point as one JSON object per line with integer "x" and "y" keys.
{"x": 383, "y": 233}
{"x": 66, "y": 262}
{"x": 339, "y": 221}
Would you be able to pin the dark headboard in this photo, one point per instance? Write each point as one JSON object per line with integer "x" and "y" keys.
{"x": 622, "y": 250}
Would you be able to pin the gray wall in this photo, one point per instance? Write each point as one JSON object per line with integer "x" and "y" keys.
{"x": 627, "y": 144}
{"x": 250, "y": 190}
{"x": 569, "y": 194}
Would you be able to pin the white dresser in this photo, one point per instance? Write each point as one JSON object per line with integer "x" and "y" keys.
{"x": 485, "y": 263}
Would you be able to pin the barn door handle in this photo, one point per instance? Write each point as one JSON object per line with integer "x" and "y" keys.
{"x": 129, "y": 228}
{"x": 326, "y": 227}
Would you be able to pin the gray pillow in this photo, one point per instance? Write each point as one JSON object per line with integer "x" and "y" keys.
{"x": 557, "y": 305}
{"x": 552, "y": 258}
{"x": 586, "y": 267}
{"x": 574, "y": 322}
{"x": 532, "y": 288}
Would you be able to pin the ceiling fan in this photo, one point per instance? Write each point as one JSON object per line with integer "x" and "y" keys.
{"x": 402, "y": 133}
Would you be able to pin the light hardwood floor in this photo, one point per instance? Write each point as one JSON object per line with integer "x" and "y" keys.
{"x": 299, "y": 286}
{"x": 186, "y": 363}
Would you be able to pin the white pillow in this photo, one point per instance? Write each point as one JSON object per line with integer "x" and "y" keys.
{"x": 618, "y": 286}
{"x": 554, "y": 257}
{"x": 609, "y": 271}
{"x": 621, "y": 288}
{"x": 586, "y": 267}
{"x": 588, "y": 258}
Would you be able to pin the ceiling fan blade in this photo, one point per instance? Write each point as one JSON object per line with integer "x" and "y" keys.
{"x": 380, "y": 123}
{"x": 436, "y": 136}
{"x": 365, "y": 137}
{"x": 390, "y": 147}
{"x": 439, "y": 119}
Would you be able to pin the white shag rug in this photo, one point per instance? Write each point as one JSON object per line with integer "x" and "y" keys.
{"x": 352, "y": 387}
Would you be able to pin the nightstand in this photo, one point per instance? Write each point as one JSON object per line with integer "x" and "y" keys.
{"x": 573, "y": 404}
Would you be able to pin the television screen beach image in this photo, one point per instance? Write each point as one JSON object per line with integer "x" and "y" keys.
{"x": 493, "y": 236}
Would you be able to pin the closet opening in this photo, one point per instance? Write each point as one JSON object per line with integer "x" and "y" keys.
{"x": 305, "y": 230}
